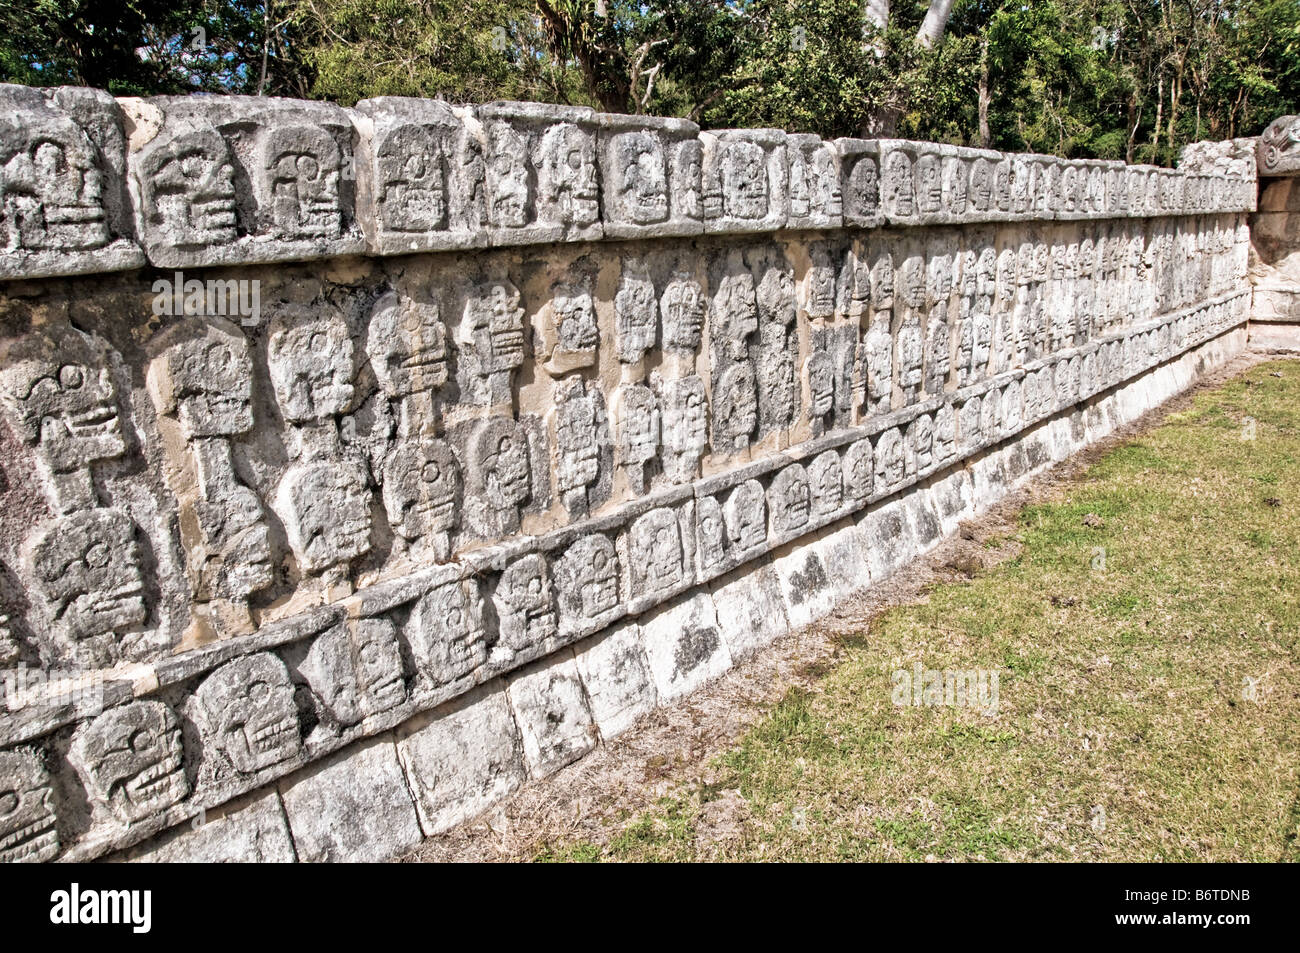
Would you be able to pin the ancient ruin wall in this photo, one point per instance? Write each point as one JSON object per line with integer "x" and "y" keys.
{"x": 360, "y": 464}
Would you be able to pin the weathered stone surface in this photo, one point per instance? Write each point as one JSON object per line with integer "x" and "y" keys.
{"x": 62, "y": 170}
{"x": 28, "y": 825}
{"x": 130, "y": 758}
{"x": 461, "y": 759}
{"x": 616, "y": 676}
{"x": 684, "y": 646}
{"x": 253, "y": 833}
{"x": 550, "y": 706}
{"x": 351, "y": 808}
{"x": 751, "y": 610}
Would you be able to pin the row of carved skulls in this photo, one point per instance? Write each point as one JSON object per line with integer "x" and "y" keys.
{"x": 131, "y": 758}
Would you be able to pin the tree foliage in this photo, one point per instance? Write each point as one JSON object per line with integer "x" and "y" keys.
{"x": 1131, "y": 79}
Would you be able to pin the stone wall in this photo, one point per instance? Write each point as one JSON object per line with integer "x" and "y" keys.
{"x": 1275, "y": 237}
{"x": 360, "y": 465}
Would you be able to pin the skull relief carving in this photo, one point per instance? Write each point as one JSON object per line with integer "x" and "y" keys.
{"x": 51, "y": 190}
{"x": 245, "y": 710}
{"x": 407, "y": 346}
{"x": 355, "y": 670}
{"x": 28, "y": 832}
{"x": 525, "y": 605}
{"x": 302, "y": 165}
{"x": 445, "y": 632}
{"x": 567, "y": 181}
{"x": 87, "y": 568}
{"x": 587, "y": 579}
{"x": 682, "y": 306}
{"x": 206, "y": 382}
{"x": 58, "y": 394}
{"x": 422, "y": 488}
{"x": 640, "y": 182}
{"x": 188, "y": 184}
{"x": 412, "y": 180}
{"x": 311, "y": 364}
{"x": 130, "y": 759}
{"x": 325, "y": 508}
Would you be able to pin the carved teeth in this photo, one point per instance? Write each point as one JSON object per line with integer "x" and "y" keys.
{"x": 28, "y": 840}
{"x": 272, "y": 737}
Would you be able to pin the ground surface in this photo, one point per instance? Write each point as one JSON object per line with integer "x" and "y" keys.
{"x": 1139, "y": 606}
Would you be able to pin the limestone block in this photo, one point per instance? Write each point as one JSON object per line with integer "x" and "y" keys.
{"x": 651, "y": 183}
{"x": 255, "y": 832}
{"x": 684, "y": 645}
{"x": 294, "y": 197}
{"x": 62, "y": 183}
{"x": 353, "y": 807}
{"x": 616, "y": 676}
{"x": 551, "y": 710}
{"x": 751, "y": 609}
{"x": 462, "y": 758}
{"x": 888, "y": 538}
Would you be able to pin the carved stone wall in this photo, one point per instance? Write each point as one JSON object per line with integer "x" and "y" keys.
{"x": 1275, "y": 236}
{"x": 351, "y": 455}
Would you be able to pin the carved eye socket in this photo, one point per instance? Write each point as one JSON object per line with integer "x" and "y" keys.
{"x": 416, "y": 167}
{"x": 71, "y": 377}
{"x": 453, "y": 617}
{"x": 308, "y": 168}
{"x": 412, "y": 320}
{"x": 97, "y": 556}
{"x": 9, "y": 801}
{"x": 369, "y": 655}
{"x": 142, "y": 740}
{"x": 431, "y": 472}
{"x": 319, "y": 342}
{"x": 259, "y": 692}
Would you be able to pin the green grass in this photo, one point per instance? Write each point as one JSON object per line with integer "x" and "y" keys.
{"x": 1124, "y": 729}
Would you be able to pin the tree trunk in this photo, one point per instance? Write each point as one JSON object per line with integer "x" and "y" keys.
{"x": 986, "y": 137}
{"x": 936, "y": 21}
{"x": 875, "y": 17}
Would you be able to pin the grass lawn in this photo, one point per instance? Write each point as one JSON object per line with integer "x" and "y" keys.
{"x": 1148, "y": 697}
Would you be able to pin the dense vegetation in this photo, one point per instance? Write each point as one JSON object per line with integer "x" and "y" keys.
{"x": 1132, "y": 79}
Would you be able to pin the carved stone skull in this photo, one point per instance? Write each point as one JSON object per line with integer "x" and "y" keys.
{"x": 28, "y": 832}
{"x": 87, "y": 568}
{"x": 245, "y": 710}
{"x": 58, "y": 393}
{"x": 412, "y": 180}
{"x": 130, "y": 759}
{"x": 640, "y": 183}
{"x": 407, "y": 345}
{"x": 311, "y": 363}
{"x": 354, "y": 670}
{"x": 301, "y": 165}
{"x": 422, "y": 488}
{"x": 445, "y": 632}
{"x": 206, "y": 382}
